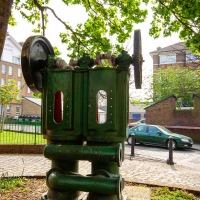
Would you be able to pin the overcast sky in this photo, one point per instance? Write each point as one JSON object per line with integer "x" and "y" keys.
{"x": 73, "y": 15}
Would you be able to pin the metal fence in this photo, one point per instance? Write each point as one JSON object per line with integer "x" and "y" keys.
{"x": 21, "y": 133}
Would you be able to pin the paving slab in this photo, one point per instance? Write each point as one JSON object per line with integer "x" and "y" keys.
{"x": 136, "y": 193}
{"x": 129, "y": 193}
{"x": 148, "y": 166}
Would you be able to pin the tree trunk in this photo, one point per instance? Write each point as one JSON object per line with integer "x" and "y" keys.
{"x": 5, "y": 12}
{"x": 3, "y": 118}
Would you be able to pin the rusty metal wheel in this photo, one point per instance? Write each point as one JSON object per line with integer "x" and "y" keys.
{"x": 137, "y": 59}
{"x": 34, "y": 57}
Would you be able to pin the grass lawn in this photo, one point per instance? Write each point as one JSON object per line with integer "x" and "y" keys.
{"x": 10, "y": 137}
{"x": 164, "y": 193}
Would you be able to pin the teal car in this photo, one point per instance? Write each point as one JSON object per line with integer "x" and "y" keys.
{"x": 158, "y": 136}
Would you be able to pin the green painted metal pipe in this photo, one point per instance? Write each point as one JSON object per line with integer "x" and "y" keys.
{"x": 98, "y": 184}
{"x": 77, "y": 152}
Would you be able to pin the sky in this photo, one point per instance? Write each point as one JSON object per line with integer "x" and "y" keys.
{"x": 73, "y": 15}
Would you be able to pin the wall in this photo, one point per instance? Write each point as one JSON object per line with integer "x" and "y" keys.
{"x": 165, "y": 113}
{"x": 30, "y": 108}
{"x": 193, "y": 132}
{"x": 161, "y": 112}
{"x": 22, "y": 149}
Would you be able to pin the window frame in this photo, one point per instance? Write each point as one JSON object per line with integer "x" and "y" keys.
{"x": 8, "y": 109}
{"x": 19, "y": 85}
{"x": 3, "y": 81}
{"x": 10, "y": 70}
{"x": 3, "y": 71}
{"x": 17, "y": 111}
{"x": 16, "y": 60}
{"x": 167, "y": 59}
{"x": 191, "y": 57}
{"x": 19, "y": 72}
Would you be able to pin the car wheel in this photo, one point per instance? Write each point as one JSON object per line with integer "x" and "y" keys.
{"x": 129, "y": 140}
{"x": 174, "y": 144}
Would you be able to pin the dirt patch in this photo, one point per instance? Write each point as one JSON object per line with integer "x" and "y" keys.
{"x": 32, "y": 189}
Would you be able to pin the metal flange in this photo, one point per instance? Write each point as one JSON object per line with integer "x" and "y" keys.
{"x": 34, "y": 57}
{"x": 137, "y": 59}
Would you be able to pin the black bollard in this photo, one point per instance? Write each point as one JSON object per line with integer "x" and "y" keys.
{"x": 170, "y": 160}
{"x": 132, "y": 145}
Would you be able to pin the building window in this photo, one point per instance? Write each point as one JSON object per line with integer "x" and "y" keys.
{"x": 29, "y": 91}
{"x": 19, "y": 72}
{"x": 17, "y": 110}
{"x": 19, "y": 85}
{"x": 3, "y": 69}
{"x": 191, "y": 57}
{"x": 3, "y": 82}
{"x": 10, "y": 70}
{"x": 8, "y": 109}
{"x": 16, "y": 60}
{"x": 167, "y": 59}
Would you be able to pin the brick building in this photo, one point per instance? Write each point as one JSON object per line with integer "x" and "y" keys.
{"x": 136, "y": 112}
{"x": 10, "y": 68}
{"x": 184, "y": 121}
{"x": 31, "y": 106}
{"x": 174, "y": 55}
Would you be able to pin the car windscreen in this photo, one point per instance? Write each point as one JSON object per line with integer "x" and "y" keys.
{"x": 164, "y": 129}
{"x": 139, "y": 128}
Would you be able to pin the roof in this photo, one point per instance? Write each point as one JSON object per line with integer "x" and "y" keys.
{"x": 101, "y": 111}
{"x": 34, "y": 100}
{"x": 136, "y": 108}
{"x": 174, "y": 47}
{"x": 196, "y": 95}
{"x": 14, "y": 41}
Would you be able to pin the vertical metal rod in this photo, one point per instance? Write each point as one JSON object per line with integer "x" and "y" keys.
{"x": 170, "y": 160}
{"x": 35, "y": 135}
{"x": 132, "y": 145}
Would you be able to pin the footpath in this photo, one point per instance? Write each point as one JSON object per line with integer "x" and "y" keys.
{"x": 148, "y": 166}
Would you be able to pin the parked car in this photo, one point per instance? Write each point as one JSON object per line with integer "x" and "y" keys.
{"x": 141, "y": 121}
{"x": 16, "y": 117}
{"x": 11, "y": 119}
{"x": 158, "y": 136}
{"x": 29, "y": 119}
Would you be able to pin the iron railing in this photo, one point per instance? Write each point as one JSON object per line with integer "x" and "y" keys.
{"x": 21, "y": 133}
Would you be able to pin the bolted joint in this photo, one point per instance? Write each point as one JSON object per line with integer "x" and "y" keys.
{"x": 52, "y": 61}
{"x": 124, "y": 60}
{"x": 85, "y": 61}
{"x": 101, "y": 182}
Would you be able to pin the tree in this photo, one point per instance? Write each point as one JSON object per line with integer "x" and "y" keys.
{"x": 179, "y": 16}
{"x": 8, "y": 94}
{"x": 179, "y": 81}
{"x": 5, "y": 13}
{"x": 109, "y": 18}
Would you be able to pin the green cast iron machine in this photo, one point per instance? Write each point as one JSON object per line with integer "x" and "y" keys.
{"x": 73, "y": 122}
